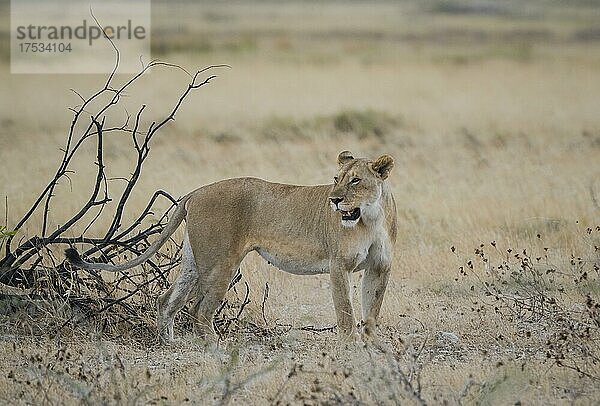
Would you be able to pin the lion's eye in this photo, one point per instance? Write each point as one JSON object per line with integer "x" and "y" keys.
{"x": 354, "y": 181}
{"x": 335, "y": 179}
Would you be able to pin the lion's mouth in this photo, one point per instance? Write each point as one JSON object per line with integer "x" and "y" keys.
{"x": 351, "y": 215}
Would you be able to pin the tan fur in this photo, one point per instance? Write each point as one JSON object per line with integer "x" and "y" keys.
{"x": 295, "y": 229}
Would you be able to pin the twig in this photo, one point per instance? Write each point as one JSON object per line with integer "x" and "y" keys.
{"x": 314, "y": 329}
{"x": 264, "y": 302}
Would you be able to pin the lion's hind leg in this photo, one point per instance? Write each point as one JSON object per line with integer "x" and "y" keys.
{"x": 212, "y": 289}
{"x": 176, "y": 297}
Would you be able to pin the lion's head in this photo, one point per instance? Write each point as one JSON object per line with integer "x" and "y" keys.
{"x": 358, "y": 186}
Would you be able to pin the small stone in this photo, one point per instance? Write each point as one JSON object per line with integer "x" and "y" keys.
{"x": 448, "y": 337}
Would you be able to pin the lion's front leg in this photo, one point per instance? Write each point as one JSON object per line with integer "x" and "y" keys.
{"x": 374, "y": 282}
{"x": 340, "y": 288}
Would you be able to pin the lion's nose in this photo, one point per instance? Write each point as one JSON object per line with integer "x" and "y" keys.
{"x": 336, "y": 200}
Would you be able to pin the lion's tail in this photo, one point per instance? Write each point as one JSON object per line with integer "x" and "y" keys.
{"x": 178, "y": 216}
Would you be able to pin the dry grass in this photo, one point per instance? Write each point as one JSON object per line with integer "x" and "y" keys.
{"x": 496, "y": 137}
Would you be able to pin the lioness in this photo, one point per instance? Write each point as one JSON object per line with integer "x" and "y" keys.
{"x": 292, "y": 227}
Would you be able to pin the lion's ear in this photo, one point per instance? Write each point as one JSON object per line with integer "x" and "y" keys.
{"x": 383, "y": 166}
{"x": 344, "y": 157}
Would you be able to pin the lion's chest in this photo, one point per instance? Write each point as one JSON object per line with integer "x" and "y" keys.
{"x": 370, "y": 253}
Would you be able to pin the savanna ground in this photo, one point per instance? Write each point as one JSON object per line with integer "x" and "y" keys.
{"x": 491, "y": 112}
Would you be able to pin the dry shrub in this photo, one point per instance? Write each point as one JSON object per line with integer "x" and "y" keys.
{"x": 58, "y": 297}
{"x": 549, "y": 296}
{"x": 358, "y": 124}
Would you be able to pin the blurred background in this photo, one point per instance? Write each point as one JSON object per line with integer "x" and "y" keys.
{"x": 489, "y": 107}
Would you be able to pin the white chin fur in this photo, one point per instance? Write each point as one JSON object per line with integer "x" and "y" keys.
{"x": 350, "y": 223}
